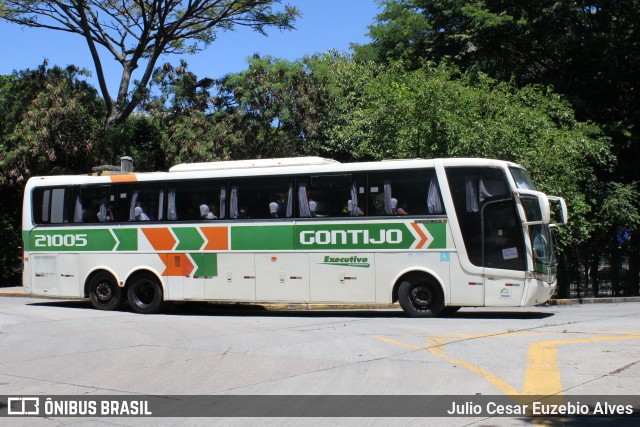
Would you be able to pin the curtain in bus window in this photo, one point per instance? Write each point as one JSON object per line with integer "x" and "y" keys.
{"x": 305, "y": 212}
{"x": 388, "y": 209}
{"x": 46, "y": 202}
{"x": 471, "y": 192}
{"x": 77, "y": 213}
{"x": 223, "y": 202}
{"x": 161, "y": 205}
{"x": 490, "y": 188}
{"x": 434, "y": 203}
{"x": 172, "y": 214}
{"x": 478, "y": 189}
{"x": 134, "y": 200}
{"x": 354, "y": 210}
{"x": 290, "y": 202}
{"x": 233, "y": 208}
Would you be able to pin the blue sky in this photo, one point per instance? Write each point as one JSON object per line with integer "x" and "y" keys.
{"x": 324, "y": 25}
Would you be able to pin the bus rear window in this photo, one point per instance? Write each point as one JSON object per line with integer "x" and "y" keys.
{"x": 51, "y": 205}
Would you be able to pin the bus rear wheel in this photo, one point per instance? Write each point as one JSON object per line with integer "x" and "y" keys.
{"x": 145, "y": 294}
{"x": 419, "y": 297}
{"x": 104, "y": 292}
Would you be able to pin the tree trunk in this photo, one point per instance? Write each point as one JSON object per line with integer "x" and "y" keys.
{"x": 634, "y": 264}
{"x": 615, "y": 261}
{"x": 593, "y": 272}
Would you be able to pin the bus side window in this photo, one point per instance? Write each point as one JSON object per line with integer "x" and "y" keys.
{"x": 253, "y": 198}
{"x": 149, "y": 197}
{"x": 404, "y": 192}
{"x": 94, "y": 204}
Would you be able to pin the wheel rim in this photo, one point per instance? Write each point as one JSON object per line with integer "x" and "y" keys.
{"x": 103, "y": 292}
{"x": 144, "y": 293}
{"x": 421, "y": 297}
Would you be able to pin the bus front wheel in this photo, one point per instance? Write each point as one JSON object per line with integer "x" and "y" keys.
{"x": 419, "y": 297}
{"x": 104, "y": 292}
{"x": 145, "y": 294}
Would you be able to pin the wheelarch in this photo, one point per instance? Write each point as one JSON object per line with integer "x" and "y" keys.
{"x": 418, "y": 274}
{"x": 142, "y": 272}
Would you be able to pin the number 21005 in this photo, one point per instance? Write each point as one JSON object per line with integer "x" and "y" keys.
{"x": 60, "y": 240}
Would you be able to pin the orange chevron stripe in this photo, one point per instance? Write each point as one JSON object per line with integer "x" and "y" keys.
{"x": 123, "y": 178}
{"x": 423, "y": 237}
{"x": 218, "y": 238}
{"x": 160, "y": 238}
{"x": 176, "y": 265}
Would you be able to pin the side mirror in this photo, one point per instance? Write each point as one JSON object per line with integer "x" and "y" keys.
{"x": 562, "y": 209}
{"x": 535, "y": 205}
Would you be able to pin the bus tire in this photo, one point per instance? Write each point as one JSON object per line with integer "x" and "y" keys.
{"x": 104, "y": 292}
{"x": 420, "y": 297}
{"x": 145, "y": 294}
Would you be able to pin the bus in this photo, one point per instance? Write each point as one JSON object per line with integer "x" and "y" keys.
{"x": 433, "y": 235}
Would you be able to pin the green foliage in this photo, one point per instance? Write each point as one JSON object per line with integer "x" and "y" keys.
{"x": 51, "y": 120}
{"x": 588, "y": 52}
{"x": 436, "y": 112}
{"x": 136, "y": 33}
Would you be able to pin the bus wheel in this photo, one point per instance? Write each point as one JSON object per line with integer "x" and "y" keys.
{"x": 104, "y": 292}
{"x": 145, "y": 294}
{"x": 420, "y": 298}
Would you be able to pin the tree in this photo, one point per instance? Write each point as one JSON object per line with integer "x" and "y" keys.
{"x": 587, "y": 51}
{"x": 275, "y": 108}
{"x": 137, "y": 32}
{"x": 49, "y": 119}
{"x": 50, "y": 124}
{"x": 436, "y": 111}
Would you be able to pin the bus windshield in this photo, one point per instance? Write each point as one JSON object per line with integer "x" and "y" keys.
{"x": 522, "y": 179}
{"x": 544, "y": 258}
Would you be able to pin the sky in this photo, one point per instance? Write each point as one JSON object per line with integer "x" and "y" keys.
{"x": 324, "y": 25}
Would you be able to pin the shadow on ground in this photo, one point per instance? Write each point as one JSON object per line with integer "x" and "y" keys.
{"x": 213, "y": 309}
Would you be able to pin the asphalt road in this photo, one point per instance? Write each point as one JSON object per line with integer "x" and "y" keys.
{"x": 57, "y": 347}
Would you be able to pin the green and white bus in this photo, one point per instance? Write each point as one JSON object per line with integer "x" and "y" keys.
{"x": 433, "y": 235}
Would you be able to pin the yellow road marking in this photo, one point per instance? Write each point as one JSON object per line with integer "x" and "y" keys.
{"x": 542, "y": 373}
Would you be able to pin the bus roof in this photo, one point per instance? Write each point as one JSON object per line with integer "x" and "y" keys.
{"x": 265, "y": 167}
{"x": 253, "y": 163}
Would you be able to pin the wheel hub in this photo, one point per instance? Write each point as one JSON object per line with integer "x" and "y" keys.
{"x": 421, "y": 297}
{"x": 103, "y": 292}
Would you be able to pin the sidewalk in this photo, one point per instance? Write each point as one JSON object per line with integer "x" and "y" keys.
{"x": 18, "y": 291}
{"x": 13, "y": 291}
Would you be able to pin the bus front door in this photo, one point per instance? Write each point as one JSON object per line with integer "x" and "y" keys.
{"x": 503, "y": 254}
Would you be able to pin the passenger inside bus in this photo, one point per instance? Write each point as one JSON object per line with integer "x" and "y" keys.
{"x": 205, "y": 212}
{"x": 139, "y": 214}
{"x": 273, "y": 209}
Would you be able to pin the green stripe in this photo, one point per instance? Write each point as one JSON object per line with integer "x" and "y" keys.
{"x": 128, "y": 238}
{"x": 206, "y": 263}
{"x": 304, "y": 236}
{"x": 265, "y": 237}
{"x": 189, "y": 238}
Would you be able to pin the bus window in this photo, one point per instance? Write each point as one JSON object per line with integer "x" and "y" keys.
{"x": 141, "y": 202}
{"x": 94, "y": 204}
{"x": 51, "y": 205}
{"x": 193, "y": 200}
{"x": 407, "y": 192}
{"x": 262, "y": 198}
{"x": 331, "y": 196}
